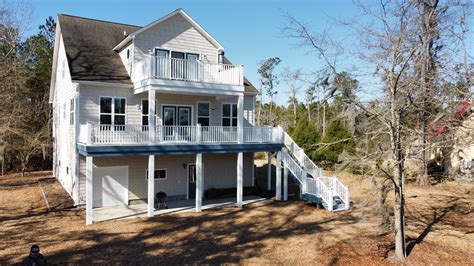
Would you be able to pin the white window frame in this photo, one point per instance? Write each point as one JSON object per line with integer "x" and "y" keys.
{"x": 141, "y": 110}
{"x": 229, "y": 117}
{"x": 178, "y": 51}
{"x": 200, "y": 116}
{"x": 159, "y": 169}
{"x": 112, "y": 110}
{"x": 71, "y": 111}
{"x": 176, "y": 105}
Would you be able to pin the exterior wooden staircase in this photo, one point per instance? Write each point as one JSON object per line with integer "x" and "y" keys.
{"x": 327, "y": 191}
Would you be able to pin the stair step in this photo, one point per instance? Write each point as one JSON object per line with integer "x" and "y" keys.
{"x": 338, "y": 204}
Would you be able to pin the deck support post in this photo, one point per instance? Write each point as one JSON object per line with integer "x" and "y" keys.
{"x": 199, "y": 182}
{"x": 303, "y": 182}
{"x": 151, "y": 115}
{"x": 346, "y": 199}
{"x": 269, "y": 171}
{"x": 253, "y": 169}
{"x": 240, "y": 119}
{"x": 151, "y": 186}
{"x": 278, "y": 177}
{"x": 89, "y": 195}
{"x": 285, "y": 181}
{"x": 240, "y": 179}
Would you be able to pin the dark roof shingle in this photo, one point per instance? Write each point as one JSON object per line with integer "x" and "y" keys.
{"x": 89, "y": 51}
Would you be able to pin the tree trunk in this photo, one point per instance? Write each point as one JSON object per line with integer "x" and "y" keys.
{"x": 324, "y": 118}
{"x": 400, "y": 247}
{"x": 271, "y": 111}
{"x": 294, "y": 110}
{"x": 397, "y": 178}
{"x": 309, "y": 114}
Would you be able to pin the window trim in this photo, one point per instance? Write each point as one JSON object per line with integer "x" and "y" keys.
{"x": 178, "y": 51}
{"x": 197, "y": 112}
{"x": 229, "y": 117}
{"x": 159, "y": 169}
{"x": 176, "y": 113}
{"x": 112, "y": 113}
{"x": 141, "y": 110}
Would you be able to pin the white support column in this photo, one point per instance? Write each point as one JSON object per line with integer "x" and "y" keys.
{"x": 77, "y": 130}
{"x": 89, "y": 195}
{"x": 347, "y": 201}
{"x": 269, "y": 171}
{"x": 240, "y": 179}
{"x": 151, "y": 115}
{"x": 240, "y": 118}
{"x": 278, "y": 177}
{"x": 285, "y": 181}
{"x": 151, "y": 186}
{"x": 303, "y": 180}
{"x": 199, "y": 182}
{"x": 253, "y": 169}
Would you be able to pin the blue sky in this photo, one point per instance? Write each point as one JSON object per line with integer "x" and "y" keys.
{"x": 250, "y": 31}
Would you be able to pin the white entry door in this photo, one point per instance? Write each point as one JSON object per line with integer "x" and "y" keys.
{"x": 110, "y": 186}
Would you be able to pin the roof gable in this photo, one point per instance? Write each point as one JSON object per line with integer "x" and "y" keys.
{"x": 178, "y": 12}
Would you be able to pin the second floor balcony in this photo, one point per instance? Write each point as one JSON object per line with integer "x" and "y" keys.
{"x": 187, "y": 70}
{"x": 94, "y": 134}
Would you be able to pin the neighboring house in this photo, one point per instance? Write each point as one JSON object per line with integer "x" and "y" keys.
{"x": 161, "y": 101}
{"x": 452, "y": 140}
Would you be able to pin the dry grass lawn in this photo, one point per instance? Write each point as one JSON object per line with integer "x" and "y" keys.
{"x": 440, "y": 229}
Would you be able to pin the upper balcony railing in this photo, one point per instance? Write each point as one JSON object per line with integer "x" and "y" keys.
{"x": 189, "y": 70}
{"x": 93, "y": 134}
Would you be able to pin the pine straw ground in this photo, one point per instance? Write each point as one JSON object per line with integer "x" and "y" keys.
{"x": 440, "y": 229}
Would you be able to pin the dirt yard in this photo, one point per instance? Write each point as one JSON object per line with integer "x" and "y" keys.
{"x": 440, "y": 230}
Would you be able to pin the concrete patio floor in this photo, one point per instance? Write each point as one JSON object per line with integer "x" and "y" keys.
{"x": 140, "y": 210}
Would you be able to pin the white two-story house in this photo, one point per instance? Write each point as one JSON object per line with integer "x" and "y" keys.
{"x": 138, "y": 110}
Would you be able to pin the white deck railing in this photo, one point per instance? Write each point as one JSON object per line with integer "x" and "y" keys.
{"x": 301, "y": 156}
{"x": 92, "y": 134}
{"x": 195, "y": 71}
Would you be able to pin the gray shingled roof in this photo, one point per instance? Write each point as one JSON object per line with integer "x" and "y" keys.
{"x": 89, "y": 47}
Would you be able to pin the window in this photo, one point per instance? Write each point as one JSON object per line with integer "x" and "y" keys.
{"x": 145, "y": 112}
{"x": 203, "y": 113}
{"x": 67, "y": 170}
{"x": 181, "y": 66}
{"x": 229, "y": 114}
{"x": 112, "y": 111}
{"x": 64, "y": 111}
{"x": 128, "y": 53}
{"x": 160, "y": 174}
{"x": 71, "y": 112}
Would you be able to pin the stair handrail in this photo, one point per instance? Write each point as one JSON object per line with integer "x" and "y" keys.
{"x": 294, "y": 168}
{"x": 325, "y": 193}
{"x": 341, "y": 190}
{"x": 302, "y": 158}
